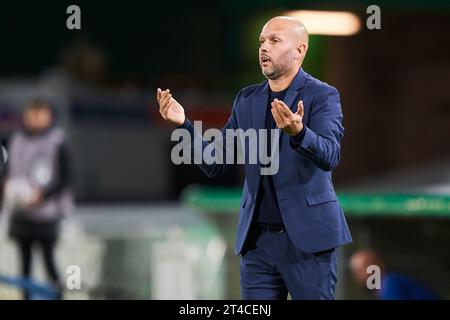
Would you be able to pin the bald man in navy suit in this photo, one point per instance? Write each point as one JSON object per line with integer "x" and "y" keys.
{"x": 290, "y": 222}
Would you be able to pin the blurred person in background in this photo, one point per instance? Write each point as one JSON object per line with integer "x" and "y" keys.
{"x": 290, "y": 223}
{"x": 37, "y": 188}
{"x": 394, "y": 285}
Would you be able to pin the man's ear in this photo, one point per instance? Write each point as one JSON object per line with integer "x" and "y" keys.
{"x": 302, "y": 48}
{"x": 301, "y": 51}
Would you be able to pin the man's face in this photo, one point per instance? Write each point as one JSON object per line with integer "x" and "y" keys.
{"x": 277, "y": 49}
{"x": 359, "y": 263}
{"x": 37, "y": 119}
{"x": 360, "y": 275}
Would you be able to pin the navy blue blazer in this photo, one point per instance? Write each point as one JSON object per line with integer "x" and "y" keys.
{"x": 309, "y": 207}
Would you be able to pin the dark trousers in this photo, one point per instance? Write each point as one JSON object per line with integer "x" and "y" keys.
{"x": 272, "y": 266}
{"x": 47, "y": 245}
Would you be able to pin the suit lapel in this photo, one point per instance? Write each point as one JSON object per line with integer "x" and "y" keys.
{"x": 297, "y": 83}
{"x": 259, "y": 106}
{"x": 290, "y": 97}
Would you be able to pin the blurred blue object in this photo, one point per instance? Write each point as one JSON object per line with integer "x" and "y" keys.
{"x": 397, "y": 286}
{"x": 36, "y": 290}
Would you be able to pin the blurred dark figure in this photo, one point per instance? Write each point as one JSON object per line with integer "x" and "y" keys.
{"x": 3, "y": 158}
{"x": 37, "y": 192}
{"x": 394, "y": 286}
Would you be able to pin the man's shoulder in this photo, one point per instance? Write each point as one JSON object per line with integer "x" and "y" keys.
{"x": 317, "y": 85}
{"x": 249, "y": 90}
{"x": 16, "y": 135}
{"x": 57, "y": 136}
{"x": 312, "y": 84}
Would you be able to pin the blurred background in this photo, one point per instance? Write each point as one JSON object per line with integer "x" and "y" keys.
{"x": 144, "y": 228}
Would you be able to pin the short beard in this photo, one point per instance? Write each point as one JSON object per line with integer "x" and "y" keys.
{"x": 276, "y": 73}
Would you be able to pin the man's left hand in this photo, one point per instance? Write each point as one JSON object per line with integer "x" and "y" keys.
{"x": 286, "y": 120}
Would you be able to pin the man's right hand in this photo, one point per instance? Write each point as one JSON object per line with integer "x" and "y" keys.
{"x": 169, "y": 108}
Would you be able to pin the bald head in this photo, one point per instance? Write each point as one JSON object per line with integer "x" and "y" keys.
{"x": 284, "y": 43}
{"x": 362, "y": 259}
{"x": 293, "y": 27}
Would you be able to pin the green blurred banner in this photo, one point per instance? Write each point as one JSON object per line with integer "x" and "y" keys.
{"x": 226, "y": 200}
